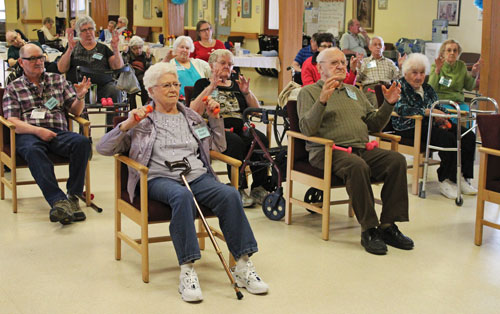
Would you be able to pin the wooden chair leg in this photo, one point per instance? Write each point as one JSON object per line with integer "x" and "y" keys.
{"x": 88, "y": 194}
{"x": 325, "y": 218}
{"x": 201, "y": 240}
{"x": 351, "y": 209}
{"x": 478, "y": 237}
{"x": 2, "y": 177}
{"x": 118, "y": 229}
{"x": 145, "y": 253}
{"x": 14, "y": 189}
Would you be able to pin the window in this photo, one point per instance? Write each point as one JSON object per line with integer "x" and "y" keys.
{"x": 271, "y": 22}
{"x": 2, "y": 10}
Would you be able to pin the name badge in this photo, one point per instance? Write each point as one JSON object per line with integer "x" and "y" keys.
{"x": 202, "y": 132}
{"x": 351, "y": 94}
{"x": 372, "y": 64}
{"x": 97, "y": 56}
{"x": 445, "y": 81}
{"x": 51, "y": 103}
{"x": 38, "y": 113}
{"x": 214, "y": 94}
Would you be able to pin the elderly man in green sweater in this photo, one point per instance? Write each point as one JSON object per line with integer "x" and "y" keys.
{"x": 342, "y": 113}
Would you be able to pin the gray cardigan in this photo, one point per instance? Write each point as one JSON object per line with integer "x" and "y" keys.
{"x": 138, "y": 142}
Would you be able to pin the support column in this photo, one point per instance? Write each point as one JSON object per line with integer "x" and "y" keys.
{"x": 490, "y": 51}
{"x": 290, "y": 36}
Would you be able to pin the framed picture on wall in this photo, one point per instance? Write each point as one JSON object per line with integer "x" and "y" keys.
{"x": 449, "y": 10}
{"x": 382, "y": 4}
{"x": 146, "y": 7}
{"x": 246, "y": 10}
{"x": 364, "y": 12}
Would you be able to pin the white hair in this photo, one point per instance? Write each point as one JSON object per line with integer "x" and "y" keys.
{"x": 377, "y": 37}
{"x": 184, "y": 39}
{"x": 416, "y": 61}
{"x": 156, "y": 71}
{"x": 136, "y": 41}
{"x": 215, "y": 55}
{"x": 82, "y": 21}
{"x": 321, "y": 56}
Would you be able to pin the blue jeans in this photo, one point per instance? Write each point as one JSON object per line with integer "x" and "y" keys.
{"x": 223, "y": 200}
{"x": 74, "y": 146}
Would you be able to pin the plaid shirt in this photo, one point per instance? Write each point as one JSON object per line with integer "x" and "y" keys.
{"x": 385, "y": 71}
{"x": 21, "y": 97}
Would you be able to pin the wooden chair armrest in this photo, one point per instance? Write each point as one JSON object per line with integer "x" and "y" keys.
{"x": 314, "y": 139}
{"x": 489, "y": 151}
{"x": 225, "y": 159}
{"x": 7, "y": 123}
{"x": 462, "y": 112}
{"x": 387, "y": 136}
{"x": 81, "y": 121}
{"x": 143, "y": 170}
{"x": 414, "y": 117}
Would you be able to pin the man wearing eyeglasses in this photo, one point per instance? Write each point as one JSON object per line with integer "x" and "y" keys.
{"x": 37, "y": 104}
{"x": 342, "y": 113}
{"x": 96, "y": 56}
{"x": 377, "y": 69}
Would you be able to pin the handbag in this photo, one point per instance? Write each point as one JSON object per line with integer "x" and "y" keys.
{"x": 127, "y": 81}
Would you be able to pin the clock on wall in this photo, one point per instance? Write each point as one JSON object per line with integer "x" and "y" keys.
{"x": 179, "y": 1}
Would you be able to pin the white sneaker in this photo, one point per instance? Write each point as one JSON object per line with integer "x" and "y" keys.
{"x": 247, "y": 278}
{"x": 448, "y": 189}
{"x": 189, "y": 287}
{"x": 245, "y": 199}
{"x": 466, "y": 187}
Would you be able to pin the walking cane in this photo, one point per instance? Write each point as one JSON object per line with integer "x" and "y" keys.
{"x": 184, "y": 163}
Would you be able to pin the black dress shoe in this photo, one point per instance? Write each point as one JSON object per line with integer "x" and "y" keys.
{"x": 393, "y": 237}
{"x": 372, "y": 242}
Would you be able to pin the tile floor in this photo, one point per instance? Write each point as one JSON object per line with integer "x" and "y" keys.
{"x": 48, "y": 268}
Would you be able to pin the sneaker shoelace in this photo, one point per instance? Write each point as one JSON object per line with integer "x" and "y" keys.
{"x": 190, "y": 280}
{"x": 249, "y": 273}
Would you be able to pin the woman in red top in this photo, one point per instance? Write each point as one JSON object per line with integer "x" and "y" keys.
{"x": 205, "y": 44}
{"x": 310, "y": 74}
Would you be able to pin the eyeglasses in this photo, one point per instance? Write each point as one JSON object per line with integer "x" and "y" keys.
{"x": 34, "y": 59}
{"x": 326, "y": 46}
{"x": 136, "y": 47}
{"x": 335, "y": 63}
{"x": 452, "y": 50}
{"x": 90, "y": 29}
{"x": 170, "y": 85}
{"x": 224, "y": 63}
{"x": 205, "y": 30}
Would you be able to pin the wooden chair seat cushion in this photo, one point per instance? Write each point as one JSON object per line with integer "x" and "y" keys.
{"x": 489, "y": 127}
{"x": 157, "y": 211}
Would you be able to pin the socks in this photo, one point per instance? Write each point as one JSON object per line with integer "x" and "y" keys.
{"x": 242, "y": 261}
{"x": 187, "y": 266}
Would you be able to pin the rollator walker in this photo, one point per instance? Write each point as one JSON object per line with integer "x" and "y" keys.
{"x": 470, "y": 116}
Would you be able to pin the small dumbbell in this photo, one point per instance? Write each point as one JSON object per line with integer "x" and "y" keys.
{"x": 216, "y": 110}
{"x": 348, "y": 149}
{"x": 91, "y": 195}
{"x": 149, "y": 109}
{"x": 371, "y": 145}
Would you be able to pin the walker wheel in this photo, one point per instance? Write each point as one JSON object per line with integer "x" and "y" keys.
{"x": 277, "y": 211}
{"x": 459, "y": 201}
{"x": 313, "y": 195}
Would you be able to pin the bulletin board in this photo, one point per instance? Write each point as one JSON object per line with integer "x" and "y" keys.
{"x": 324, "y": 16}
{"x": 222, "y": 17}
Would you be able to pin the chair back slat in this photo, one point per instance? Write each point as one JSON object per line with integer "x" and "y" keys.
{"x": 300, "y": 145}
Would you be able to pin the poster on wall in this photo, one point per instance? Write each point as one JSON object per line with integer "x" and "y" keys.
{"x": 247, "y": 9}
{"x": 331, "y": 17}
{"x": 449, "y": 10}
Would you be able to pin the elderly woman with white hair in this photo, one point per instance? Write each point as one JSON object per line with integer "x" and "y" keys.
{"x": 94, "y": 55}
{"x": 190, "y": 70}
{"x": 234, "y": 96}
{"x": 139, "y": 60}
{"x": 174, "y": 132}
{"x": 416, "y": 99}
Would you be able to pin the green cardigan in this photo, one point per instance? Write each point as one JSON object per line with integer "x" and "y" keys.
{"x": 460, "y": 79}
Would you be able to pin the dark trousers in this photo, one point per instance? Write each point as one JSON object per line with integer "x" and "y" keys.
{"x": 144, "y": 97}
{"x": 109, "y": 90}
{"x": 448, "y": 138}
{"x": 358, "y": 168}
{"x": 74, "y": 146}
{"x": 238, "y": 145}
